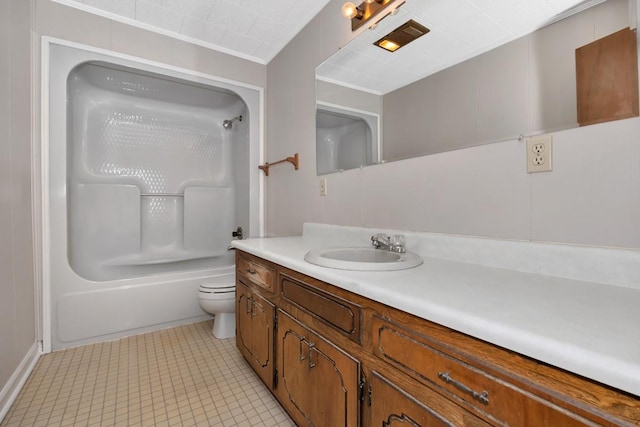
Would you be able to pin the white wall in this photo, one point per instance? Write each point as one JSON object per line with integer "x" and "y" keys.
{"x": 592, "y": 196}
{"x": 17, "y": 301}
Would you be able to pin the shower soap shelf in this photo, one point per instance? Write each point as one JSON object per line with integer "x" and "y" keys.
{"x": 293, "y": 160}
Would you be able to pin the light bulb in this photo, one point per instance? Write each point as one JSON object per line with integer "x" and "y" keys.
{"x": 369, "y": 1}
{"x": 389, "y": 45}
{"x": 349, "y": 10}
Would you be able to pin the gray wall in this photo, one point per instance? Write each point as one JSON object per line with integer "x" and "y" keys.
{"x": 525, "y": 86}
{"x": 19, "y": 209}
{"x": 291, "y": 103}
{"x": 348, "y": 97}
{"x": 17, "y": 300}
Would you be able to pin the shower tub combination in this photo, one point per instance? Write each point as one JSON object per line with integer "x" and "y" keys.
{"x": 148, "y": 176}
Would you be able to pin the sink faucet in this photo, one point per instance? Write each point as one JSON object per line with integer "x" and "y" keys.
{"x": 389, "y": 243}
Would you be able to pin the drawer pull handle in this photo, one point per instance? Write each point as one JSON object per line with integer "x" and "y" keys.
{"x": 251, "y": 271}
{"x": 309, "y": 356}
{"x": 311, "y": 348}
{"x": 482, "y": 397}
{"x": 302, "y": 357}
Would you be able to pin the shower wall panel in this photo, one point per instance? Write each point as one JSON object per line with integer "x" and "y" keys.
{"x": 150, "y": 176}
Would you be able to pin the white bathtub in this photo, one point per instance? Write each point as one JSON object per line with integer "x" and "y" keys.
{"x": 142, "y": 187}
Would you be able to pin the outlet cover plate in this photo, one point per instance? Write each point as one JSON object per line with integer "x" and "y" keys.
{"x": 539, "y": 154}
{"x": 323, "y": 186}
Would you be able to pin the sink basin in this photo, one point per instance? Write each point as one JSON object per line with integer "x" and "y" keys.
{"x": 362, "y": 259}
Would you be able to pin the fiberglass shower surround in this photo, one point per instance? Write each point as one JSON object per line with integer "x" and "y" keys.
{"x": 145, "y": 185}
{"x": 150, "y": 182}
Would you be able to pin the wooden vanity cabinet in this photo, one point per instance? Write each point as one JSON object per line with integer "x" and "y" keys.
{"x": 256, "y": 314}
{"x": 318, "y": 375}
{"x": 317, "y": 381}
{"x": 255, "y": 321}
{"x": 443, "y": 361}
{"x": 334, "y": 358}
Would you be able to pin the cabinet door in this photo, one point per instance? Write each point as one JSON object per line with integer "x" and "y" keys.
{"x": 607, "y": 78}
{"x": 254, "y": 337}
{"x": 392, "y": 406}
{"x": 318, "y": 382}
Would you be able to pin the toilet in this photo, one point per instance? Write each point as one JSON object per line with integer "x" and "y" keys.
{"x": 219, "y": 300}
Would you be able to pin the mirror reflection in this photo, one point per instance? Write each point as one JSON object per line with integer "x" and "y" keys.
{"x": 346, "y": 138}
{"x": 524, "y": 87}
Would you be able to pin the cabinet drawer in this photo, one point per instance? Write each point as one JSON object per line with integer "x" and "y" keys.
{"x": 340, "y": 314}
{"x": 493, "y": 398}
{"x": 256, "y": 272}
{"x": 395, "y": 405}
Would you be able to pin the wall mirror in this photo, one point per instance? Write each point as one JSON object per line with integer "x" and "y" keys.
{"x": 490, "y": 76}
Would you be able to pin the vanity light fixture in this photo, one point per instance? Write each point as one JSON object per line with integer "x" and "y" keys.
{"x": 402, "y": 36}
{"x": 368, "y": 10}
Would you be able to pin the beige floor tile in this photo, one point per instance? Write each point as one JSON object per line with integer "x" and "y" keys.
{"x": 174, "y": 377}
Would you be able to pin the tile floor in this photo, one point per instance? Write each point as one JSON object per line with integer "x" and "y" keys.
{"x": 174, "y": 377}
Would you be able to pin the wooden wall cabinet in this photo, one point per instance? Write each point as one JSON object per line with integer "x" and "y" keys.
{"x": 338, "y": 359}
{"x": 607, "y": 78}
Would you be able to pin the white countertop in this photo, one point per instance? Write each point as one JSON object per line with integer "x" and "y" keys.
{"x": 591, "y": 329}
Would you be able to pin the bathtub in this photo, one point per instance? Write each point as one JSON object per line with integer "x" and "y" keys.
{"x": 142, "y": 187}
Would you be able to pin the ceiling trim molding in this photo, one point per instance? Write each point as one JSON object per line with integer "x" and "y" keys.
{"x": 574, "y": 10}
{"x": 348, "y": 85}
{"x": 158, "y": 30}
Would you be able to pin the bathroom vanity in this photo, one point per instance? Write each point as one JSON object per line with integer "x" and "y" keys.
{"x": 337, "y": 348}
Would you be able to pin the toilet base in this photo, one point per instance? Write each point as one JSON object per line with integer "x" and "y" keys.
{"x": 224, "y": 325}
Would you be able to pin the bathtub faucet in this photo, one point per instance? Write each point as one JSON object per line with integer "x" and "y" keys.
{"x": 237, "y": 233}
{"x": 395, "y": 243}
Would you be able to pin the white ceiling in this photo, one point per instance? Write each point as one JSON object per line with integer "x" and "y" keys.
{"x": 460, "y": 29}
{"x": 253, "y": 29}
{"x": 258, "y": 29}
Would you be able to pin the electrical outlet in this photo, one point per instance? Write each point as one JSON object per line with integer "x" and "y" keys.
{"x": 539, "y": 152}
{"x": 323, "y": 187}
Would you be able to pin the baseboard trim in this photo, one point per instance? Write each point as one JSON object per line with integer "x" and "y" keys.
{"x": 11, "y": 389}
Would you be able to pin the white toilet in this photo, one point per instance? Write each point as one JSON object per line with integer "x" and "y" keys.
{"x": 219, "y": 299}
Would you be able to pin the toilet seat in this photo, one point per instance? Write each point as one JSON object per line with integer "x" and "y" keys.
{"x": 220, "y": 289}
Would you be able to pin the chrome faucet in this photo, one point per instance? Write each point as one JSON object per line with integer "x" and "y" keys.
{"x": 393, "y": 243}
